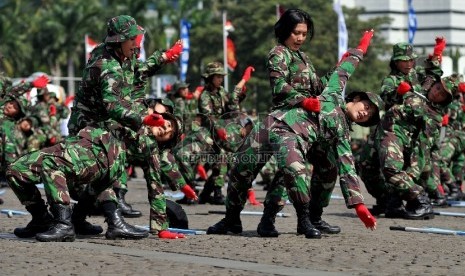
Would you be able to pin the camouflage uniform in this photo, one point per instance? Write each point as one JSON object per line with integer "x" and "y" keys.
{"x": 215, "y": 104}
{"x": 289, "y": 132}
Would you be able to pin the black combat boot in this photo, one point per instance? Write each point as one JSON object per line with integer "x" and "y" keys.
{"x": 205, "y": 194}
{"x": 455, "y": 192}
{"x": 315, "y": 218}
{"x": 41, "y": 221}
{"x": 62, "y": 229}
{"x": 304, "y": 226}
{"x": 126, "y": 209}
{"x": 419, "y": 208}
{"x": 379, "y": 208}
{"x": 437, "y": 199}
{"x": 218, "y": 198}
{"x": 266, "y": 226}
{"x": 394, "y": 207}
{"x": 117, "y": 227}
{"x": 78, "y": 218}
{"x": 230, "y": 223}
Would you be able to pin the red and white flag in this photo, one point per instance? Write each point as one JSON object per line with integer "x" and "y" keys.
{"x": 230, "y": 47}
{"x": 90, "y": 44}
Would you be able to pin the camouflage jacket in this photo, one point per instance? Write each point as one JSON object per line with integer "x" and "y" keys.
{"x": 292, "y": 77}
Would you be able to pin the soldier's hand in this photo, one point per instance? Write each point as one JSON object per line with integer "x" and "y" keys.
{"x": 445, "y": 120}
{"x": 40, "y": 82}
{"x": 202, "y": 172}
{"x": 365, "y": 41}
{"x": 251, "y": 197}
{"x": 461, "y": 87}
{"x": 221, "y": 132}
{"x": 311, "y": 104}
{"x": 365, "y": 216}
{"x": 403, "y": 88}
{"x": 154, "y": 119}
{"x": 52, "y": 110}
{"x": 173, "y": 53}
{"x": 190, "y": 194}
{"x": 248, "y": 73}
{"x": 439, "y": 47}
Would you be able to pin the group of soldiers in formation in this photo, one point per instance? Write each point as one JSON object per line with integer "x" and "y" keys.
{"x": 413, "y": 158}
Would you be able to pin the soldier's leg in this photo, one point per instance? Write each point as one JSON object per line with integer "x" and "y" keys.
{"x": 322, "y": 185}
{"x": 291, "y": 159}
{"x": 22, "y": 176}
{"x": 249, "y": 160}
{"x": 121, "y": 188}
{"x": 275, "y": 201}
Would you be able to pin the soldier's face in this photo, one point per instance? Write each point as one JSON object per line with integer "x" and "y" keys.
{"x": 128, "y": 47}
{"x": 404, "y": 66}
{"x": 25, "y": 125}
{"x": 437, "y": 94}
{"x": 217, "y": 80}
{"x": 360, "y": 111}
{"x": 297, "y": 37}
{"x": 164, "y": 133}
{"x": 11, "y": 109}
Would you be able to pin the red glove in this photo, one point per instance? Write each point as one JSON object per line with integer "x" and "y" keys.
{"x": 202, "y": 172}
{"x": 344, "y": 56}
{"x": 311, "y": 104}
{"x": 199, "y": 88}
{"x": 461, "y": 87}
{"x": 69, "y": 100}
{"x": 165, "y": 234}
{"x": 244, "y": 89}
{"x": 463, "y": 107}
{"x": 168, "y": 88}
{"x": 251, "y": 197}
{"x": 154, "y": 119}
{"x": 247, "y": 73}
{"x": 189, "y": 96}
{"x": 173, "y": 53}
{"x": 190, "y": 194}
{"x": 445, "y": 120}
{"x": 439, "y": 47}
{"x": 365, "y": 41}
{"x": 368, "y": 219}
{"x": 221, "y": 132}
{"x": 53, "y": 110}
{"x": 403, "y": 88}
{"x": 40, "y": 82}
{"x": 441, "y": 189}
{"x": 52, "y": 140}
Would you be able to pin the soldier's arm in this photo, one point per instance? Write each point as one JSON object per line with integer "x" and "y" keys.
{"x": 170, "y": 170}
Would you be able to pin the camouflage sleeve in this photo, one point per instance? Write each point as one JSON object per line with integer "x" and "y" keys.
{"x": 152, "y": 65}
{"x": 389, "y": 91}
{"x": 348, "y": 179}
{"x": 332, "y": 94}
{"x": 170, "y": 170}
{"x": 233, "y": 99}
{"x": 110, "y": 83}
{"x": 19, "y": 89}
{"x": 10, "y": 150}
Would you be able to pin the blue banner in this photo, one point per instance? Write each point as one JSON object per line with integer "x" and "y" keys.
{"x": 184, "y": 60}
{"x": 412, "y": 22}
{"x": 342, "y": 30}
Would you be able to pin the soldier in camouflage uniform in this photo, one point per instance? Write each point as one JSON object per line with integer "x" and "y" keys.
{"x": 405, "y": 73}
{"x": 290, "y": 130}
{"x": 452, "y": 147}
{"x": 215, "y": 103}
{"x": 110, "y": 81}
{"x": 414, "y": 124}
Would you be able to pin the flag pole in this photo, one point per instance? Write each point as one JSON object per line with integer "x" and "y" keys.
{"x": 225, "y": 52}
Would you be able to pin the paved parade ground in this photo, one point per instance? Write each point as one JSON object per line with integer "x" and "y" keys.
{"x": 355, "y": 251}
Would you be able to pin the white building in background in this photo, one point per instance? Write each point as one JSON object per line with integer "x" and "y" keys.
{"x": 434, "y": 18}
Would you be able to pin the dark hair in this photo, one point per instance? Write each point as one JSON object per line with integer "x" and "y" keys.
{"x": 287, "y": 22}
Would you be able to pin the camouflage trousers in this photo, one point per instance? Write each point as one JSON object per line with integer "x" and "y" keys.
{"x": 200, "y": 148}
{"x": 89, "y": 161}
{"x": 321, "y": 166}
{"x": 401, "y": 166}
{"x": 267, "y": 139}
{"x": 452, "y": 158}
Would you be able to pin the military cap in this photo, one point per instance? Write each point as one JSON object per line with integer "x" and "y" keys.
{"x": 375, "y": 99}
{"x": 214, "y": 68}
{"x": 179, "y": 84}
{"x": 22, "y": 104}
{"x": 122, "y": 28}
{"x": 403, "y": 51}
